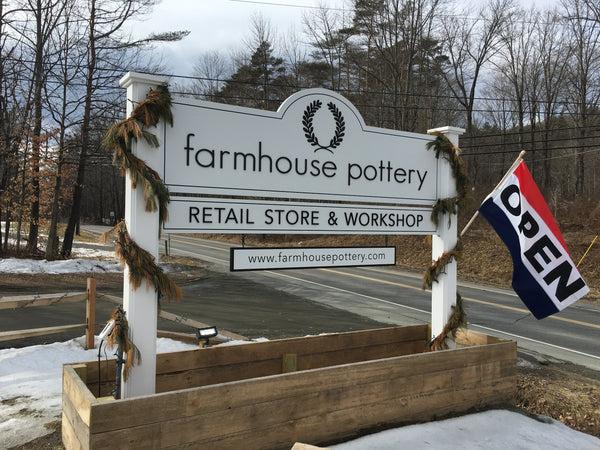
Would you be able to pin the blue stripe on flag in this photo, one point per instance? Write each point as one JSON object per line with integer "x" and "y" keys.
{"x": 523, "y": 283}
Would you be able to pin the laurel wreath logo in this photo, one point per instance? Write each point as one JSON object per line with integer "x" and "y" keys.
{"x": 309, "y": 132}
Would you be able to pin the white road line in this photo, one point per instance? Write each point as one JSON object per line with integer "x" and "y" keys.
{"x": 348, "y": 292}
{"x": 558, "y": 347}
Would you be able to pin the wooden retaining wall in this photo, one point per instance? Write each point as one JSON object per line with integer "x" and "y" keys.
{"x": 336, "y": 387}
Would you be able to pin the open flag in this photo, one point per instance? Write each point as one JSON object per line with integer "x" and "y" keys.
{"x": 544, "y": 276}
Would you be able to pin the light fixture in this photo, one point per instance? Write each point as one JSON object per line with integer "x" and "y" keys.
{"x": 204, "y": 334}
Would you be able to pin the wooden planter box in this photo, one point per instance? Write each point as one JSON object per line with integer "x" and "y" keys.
{"x": 268, "y": 395}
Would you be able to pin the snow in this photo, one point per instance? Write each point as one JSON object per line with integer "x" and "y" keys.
{"x": 31, "y": 385}
{"x": 31, "y": 395}
{"x": 489, "y": 430}
{"x": 91, "y": 258}
{"x": 13, "y": 265}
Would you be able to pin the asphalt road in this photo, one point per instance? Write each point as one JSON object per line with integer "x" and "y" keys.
{"x": 392, "y": 297}
{"x": 285, "y": 303}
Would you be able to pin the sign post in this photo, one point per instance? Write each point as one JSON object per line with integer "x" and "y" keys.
{"x": 141, "y": 305}
{"x": 443, "y": 292}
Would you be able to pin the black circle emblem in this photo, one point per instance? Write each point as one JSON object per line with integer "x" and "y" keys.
{"x": 309, "y": 132}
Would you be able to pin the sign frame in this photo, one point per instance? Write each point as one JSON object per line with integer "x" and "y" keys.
{"x": 309, "y": 254}
{"x": 143, "y": 226}
{"x": 232, "y": 216}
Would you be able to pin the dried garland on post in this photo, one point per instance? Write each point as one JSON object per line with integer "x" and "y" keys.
{"x": 120, "y": 137}
{"x": 119, "y": 337}
{"x": 444, "y": 148}
{"x": 437, "y": 267}
{"x": 142, "y": 265}
{"x": 458, "y": 319}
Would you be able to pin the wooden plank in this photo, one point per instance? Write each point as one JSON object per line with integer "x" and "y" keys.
{"x": 25, "y": 301}
{"x": 179, "y": 319}
{"x": 346, "y": 423}
{"x": 238, "y": 394}
{"x": 69, "y": 439}
{"x": 78, "y": 393}
{"x": 81, "y": 371}
{"x": 232, "y": 420}
{"x": 19, "y": 334}
{"x": 196, "y": 324}
{"x": 259, "y": 351}
{"x": 225, "y": 364}
{"x": 253, "y": 369}
{"x": 79, "y": 432}
{"x": 240, "y": 414}
{"x": 183, "y": 337}
{"x": 469, "y": 337}
{"x": 90, "y": 313}
{"x": 350, "y": 355}
{"x": 301, "y": 446}
{"x": 218, "y": 374}
{"x": 323, "y": 412}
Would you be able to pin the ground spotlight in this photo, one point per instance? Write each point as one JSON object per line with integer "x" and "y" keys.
{"x": 204, "y": 334}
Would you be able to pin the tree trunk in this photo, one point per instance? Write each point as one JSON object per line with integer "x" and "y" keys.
{"x": 73, "y": 223}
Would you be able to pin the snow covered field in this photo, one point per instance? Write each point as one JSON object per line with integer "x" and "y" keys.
{"x": 31, "y": 393}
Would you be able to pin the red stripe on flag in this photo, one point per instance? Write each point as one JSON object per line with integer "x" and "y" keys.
{"x": 534, "y": 197}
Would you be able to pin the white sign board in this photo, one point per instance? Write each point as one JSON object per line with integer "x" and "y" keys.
{"x": 316, "y": 146}
{"x": 218, "y": 215}
{"x": 309, "y": 257}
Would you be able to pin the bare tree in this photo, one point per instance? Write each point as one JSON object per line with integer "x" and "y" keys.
{"x": 553, "y": 52}
{"x": 63, "y": 105}
{"x": 210, "y": 70}
{"x": 42, "y": 19}
{"x": 322, "y": 26}
{"x": 470, "y": 42}
{"x": 517, "y": 63}
{"x": 583, "y": 76}
{"x": 104, "y": 21}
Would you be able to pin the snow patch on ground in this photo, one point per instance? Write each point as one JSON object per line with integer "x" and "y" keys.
{"x": 78, "y": 265}
{"x": 31, "y": 385}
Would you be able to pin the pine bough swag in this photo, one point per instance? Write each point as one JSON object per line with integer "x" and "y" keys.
{"x": 141, "y": 264}
{"x": 458, "y": 319}
{"x": 120, "y": 136}
{"x": 119, "y": 337}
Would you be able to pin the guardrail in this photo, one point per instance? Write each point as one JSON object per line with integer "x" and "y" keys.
{"x": 28, "y": 301}
{"x": 90, "y": 297}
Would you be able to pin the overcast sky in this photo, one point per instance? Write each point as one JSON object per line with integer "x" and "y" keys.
{"x": 219, "y": 24}
{"x": 223, "y": 24}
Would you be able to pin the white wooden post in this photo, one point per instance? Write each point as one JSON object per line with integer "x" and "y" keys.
{"x": 141, "y": 305}
{"x": 443, "y": 292}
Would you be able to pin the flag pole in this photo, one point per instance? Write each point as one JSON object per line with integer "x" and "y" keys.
{"x": 506, "y": 175}
{"x": 587, "y": 251}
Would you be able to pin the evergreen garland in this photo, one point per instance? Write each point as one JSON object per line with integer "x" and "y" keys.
{"x": 444, "y": 148}
{"x": 141, "y": 264}
{"x": 120, "y": 137}
{"x": 119, "y": 337}
{"x": 458, "y": 319}
{"x": 437, "y": 267}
